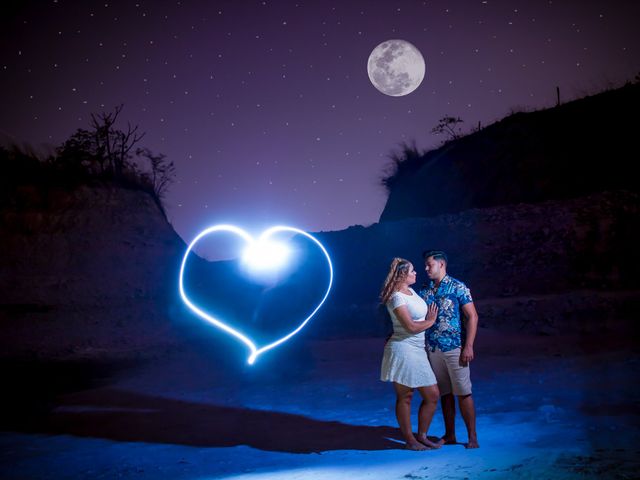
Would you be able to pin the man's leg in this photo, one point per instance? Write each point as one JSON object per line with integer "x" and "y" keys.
{"x": 438, "y": 363}
{"x": 468, "y": 411}
{"x": 449, "y": 414}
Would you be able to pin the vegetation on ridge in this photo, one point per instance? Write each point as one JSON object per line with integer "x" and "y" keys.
{"x": 571, "y": 150}
{"x": 101, "y": 154}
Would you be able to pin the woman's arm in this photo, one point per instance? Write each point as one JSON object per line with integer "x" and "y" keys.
{"x": 432, "y": 315}
{"x": 402, "y": 314}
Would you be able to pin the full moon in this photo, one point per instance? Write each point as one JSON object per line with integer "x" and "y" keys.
{"x": 396, "y": 68}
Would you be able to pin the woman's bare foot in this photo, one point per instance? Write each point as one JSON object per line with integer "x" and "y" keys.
{"x": 415, "y": 445}
{"x": 425, "y": 441}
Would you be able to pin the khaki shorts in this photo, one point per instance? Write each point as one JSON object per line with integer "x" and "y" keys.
{"x": 451, "y": 376}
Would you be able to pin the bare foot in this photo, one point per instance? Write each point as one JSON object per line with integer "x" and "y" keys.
{"x": 414, "y": 445}
{"x": 425, "y": 441}
{"x": 473, "y": 443}
{"x": 448, "y": 440}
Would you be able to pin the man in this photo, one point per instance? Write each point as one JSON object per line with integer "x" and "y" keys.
{"x": 450, "y": 344}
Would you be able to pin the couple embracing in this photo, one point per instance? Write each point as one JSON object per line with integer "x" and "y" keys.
{"x": 430, "y": 349}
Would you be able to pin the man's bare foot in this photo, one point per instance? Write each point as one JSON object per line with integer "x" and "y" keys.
{"x": 473, "y": 443}
{"x": 448, "y": 440}
{"x": 414, "y": 445}
{"x": 425, "y": 441}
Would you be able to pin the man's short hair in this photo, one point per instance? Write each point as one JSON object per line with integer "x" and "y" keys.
{"x": 436, "y": 254}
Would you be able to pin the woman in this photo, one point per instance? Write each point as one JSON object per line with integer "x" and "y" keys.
{"x": 405, "y": 361}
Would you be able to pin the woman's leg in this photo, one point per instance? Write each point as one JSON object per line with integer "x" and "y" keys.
{"x": 430, "y": 396}
{"x": 403, "y": 414}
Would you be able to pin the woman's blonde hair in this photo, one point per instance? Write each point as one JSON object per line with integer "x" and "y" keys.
{"x": 398, "y": 271}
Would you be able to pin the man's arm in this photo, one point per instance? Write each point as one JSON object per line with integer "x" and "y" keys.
{"x": 471, "y": 325}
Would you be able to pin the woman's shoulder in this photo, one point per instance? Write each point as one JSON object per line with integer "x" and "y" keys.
{"x": 395, "y": 294}
{"x": 396, "y": 299}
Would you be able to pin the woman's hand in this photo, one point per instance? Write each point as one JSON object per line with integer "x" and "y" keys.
{"x": 432, "y": 314}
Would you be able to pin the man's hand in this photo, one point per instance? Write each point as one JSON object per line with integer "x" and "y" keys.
{"x": 466, "y": 356}
{"x": 471, "y": 323}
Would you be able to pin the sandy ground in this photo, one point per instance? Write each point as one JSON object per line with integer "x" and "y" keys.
{"x": 548, "y": 407}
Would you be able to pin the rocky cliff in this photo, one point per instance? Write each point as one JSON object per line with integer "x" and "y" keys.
{"x": 540, "y": 268}
{"x": 85, "y": 271}
{"x": 94, "y": 273}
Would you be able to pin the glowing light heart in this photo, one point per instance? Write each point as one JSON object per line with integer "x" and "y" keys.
{"x": 261, "y": 244}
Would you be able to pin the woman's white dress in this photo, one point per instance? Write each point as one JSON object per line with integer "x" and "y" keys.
{"x": 405, "y": 358}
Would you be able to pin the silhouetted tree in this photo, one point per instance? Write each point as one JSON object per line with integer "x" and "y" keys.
{"x": 105, "y": 152}
{"x": 80, "y": 153}
{"x": 103, "y": 149}
{"x": 100, "y": 153}
{"x": 162, "y": 172}
{"x": 447, "y": 126}
{"x": 114, "y": 145}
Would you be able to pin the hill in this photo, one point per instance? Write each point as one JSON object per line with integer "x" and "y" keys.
{"x": 576, "y": 149}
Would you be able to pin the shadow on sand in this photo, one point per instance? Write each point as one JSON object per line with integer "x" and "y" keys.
{"x": 132, "y": 417}
{"x": 75, "y": 399}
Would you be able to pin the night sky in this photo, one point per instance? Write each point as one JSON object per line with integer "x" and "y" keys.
{"x": 266, "y": 107}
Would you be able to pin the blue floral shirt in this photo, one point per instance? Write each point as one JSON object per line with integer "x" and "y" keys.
{"x": 448, "y": 332}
